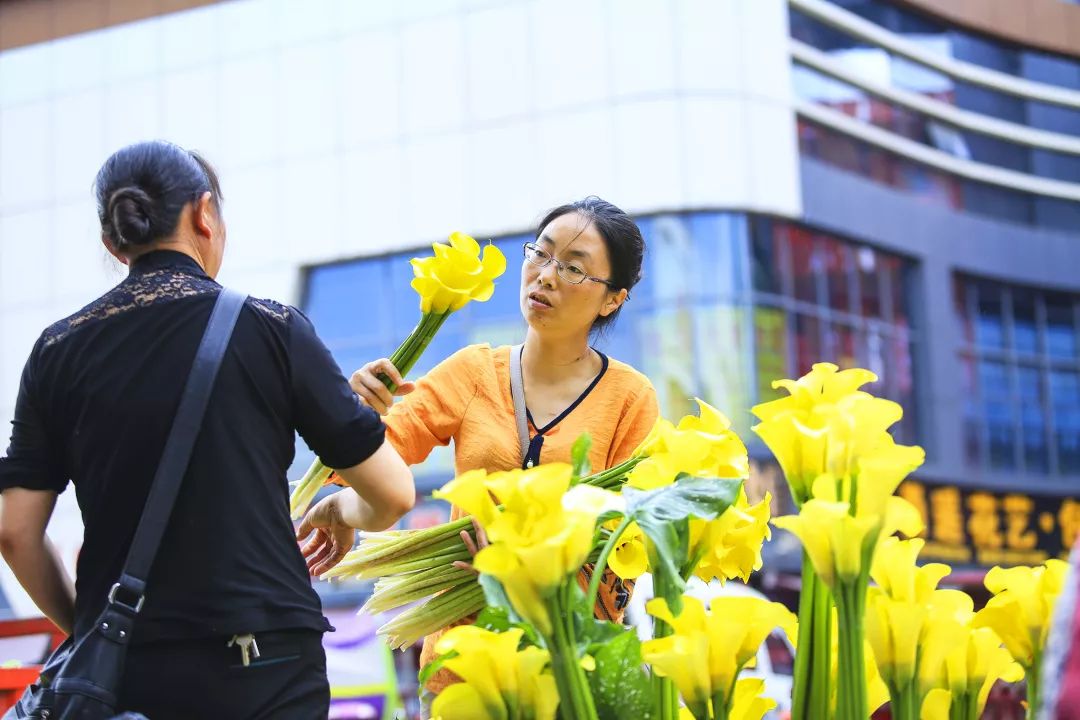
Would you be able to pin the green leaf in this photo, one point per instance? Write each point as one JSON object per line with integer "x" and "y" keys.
{"x": 668, "y": 548}
{"x": 663, "y": 516}
{"x": 579, "y": 456}
{"x": 434, "y": 666}
{"x": 703, "y": 498}
{"x": 495, "y": 596}
{"x": 619, "y": 684}
{"x": 495, "y": 619}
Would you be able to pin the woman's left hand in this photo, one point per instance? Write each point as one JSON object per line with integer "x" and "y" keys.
{"x": 472, "y": 547}
{"x": 333, "y": 539}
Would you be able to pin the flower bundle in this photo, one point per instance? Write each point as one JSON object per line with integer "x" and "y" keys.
{"x": 455, "y": 275}
{"x": 542, "y": 527}
{"x": 413, "y": 565}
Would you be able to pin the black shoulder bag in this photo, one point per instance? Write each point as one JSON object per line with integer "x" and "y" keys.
{"x": 81, "y": 678}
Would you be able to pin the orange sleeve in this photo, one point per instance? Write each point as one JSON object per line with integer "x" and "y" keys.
{"x": 634, "y": 425}
{"x": 431, "y": 414}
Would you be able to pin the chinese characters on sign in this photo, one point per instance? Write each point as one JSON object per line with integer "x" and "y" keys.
{"x": 986, "y": 528}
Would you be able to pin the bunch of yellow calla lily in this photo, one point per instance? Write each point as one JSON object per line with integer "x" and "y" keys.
{"x": 415, "y": 565}
{"x": 729, "y": 546}
{"x": 455, "y": 275}
{"x": 540, "y": 536}
{"x": 832, "y": 442}
{"x": 708, "y": 648}
{"x": 1020, "y": 614}
{"x": 499, "y": 680}
{"x": 701, "y": 446}
{"x": 911, "y": 625}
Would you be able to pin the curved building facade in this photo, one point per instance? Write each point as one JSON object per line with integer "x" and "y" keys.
{"x": 894, "y": 185}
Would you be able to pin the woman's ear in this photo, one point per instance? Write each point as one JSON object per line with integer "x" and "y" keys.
{"x": 614, "y": 301}
{"x": 204, "y": 216}
{"x": 112, "y": 249}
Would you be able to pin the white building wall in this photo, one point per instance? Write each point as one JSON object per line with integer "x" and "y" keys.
{"x": 351, "y": 127}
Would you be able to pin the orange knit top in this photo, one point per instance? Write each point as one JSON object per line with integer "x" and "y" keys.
{"x": 466, "y": 398}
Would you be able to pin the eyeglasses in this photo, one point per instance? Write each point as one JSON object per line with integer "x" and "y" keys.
{"x": 569, "y": 272}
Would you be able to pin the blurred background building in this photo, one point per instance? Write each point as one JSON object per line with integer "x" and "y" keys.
{"x": 893, "y": 184}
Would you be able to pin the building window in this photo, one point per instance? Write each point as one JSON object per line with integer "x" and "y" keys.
{"x": 1021, "y": 374}
{"x": 818, "y": 297}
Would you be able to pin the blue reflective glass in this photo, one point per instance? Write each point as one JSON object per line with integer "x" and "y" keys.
{"x": 1060, "y": 326}
{"x": 998, "y": 414}
{"x": 1065, "y": 397}
{"x": 343, "y": 301}
{"x": 1033, "y": 419}
{"x": 1025, "y": 333}
{"x": 990, "y": 324}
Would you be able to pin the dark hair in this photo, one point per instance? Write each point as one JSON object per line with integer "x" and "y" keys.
{"x": 142, "y": 188}
{"x": 622, "y": 237}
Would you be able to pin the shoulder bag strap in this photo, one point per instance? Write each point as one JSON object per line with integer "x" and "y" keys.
{"x": 517, "y": 393}
{"x": 177, "y": 452}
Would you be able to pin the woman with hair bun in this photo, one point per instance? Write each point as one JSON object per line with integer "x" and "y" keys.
{"x": 229, "y": 625}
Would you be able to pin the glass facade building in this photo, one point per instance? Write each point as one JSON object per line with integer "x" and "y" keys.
{"x": 728, "y": 303}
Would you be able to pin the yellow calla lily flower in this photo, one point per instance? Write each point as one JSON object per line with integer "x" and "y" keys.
{"x": 629, "y": 560}
{"x": 456, "y": 274}
{"x": 541, "y": 535}
{"x": 1022, "y": 607}
{"x": 730, "y": 545}
{"x": 974, "y": 665}
{"x": 699, "y": 634}
{"x": 500, "y": 682}
{"x": 827, "y": 425}
{"x": 899, "y": 576}
{"x": 469, "y": 491}
{"x": 701, "y": 446}
{"x": 832, "y": 538}
{"x": 748, "y": 703}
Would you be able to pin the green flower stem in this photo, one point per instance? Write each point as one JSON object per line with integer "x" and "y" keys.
{"x": 575, "y": 698}
{"x": 811, "y": 690}
{"x": 723, "y": 700}
{"x": 422, "y": 345}
{"x": 664, "y": 690}
{"x": 435, "y": 614}
{"x": 851, "y": 700}
{"x": 601, "y": 562}
{"x": 413, "y": 542}
{"x": 1034, "y": 685}
{"x": 405, "y": 593}
{"x": 409, "y": 343}
{"x": 403, "y": 359}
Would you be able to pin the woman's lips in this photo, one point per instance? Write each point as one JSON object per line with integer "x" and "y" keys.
{"x": 537, "y": 300}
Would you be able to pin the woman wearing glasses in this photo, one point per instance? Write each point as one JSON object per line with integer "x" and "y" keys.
{"x": 576, "y": 275}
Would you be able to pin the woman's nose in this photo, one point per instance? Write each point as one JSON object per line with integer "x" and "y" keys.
{"x": 548, "y": 273}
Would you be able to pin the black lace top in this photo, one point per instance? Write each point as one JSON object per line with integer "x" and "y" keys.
{"x": 95, "y": 403}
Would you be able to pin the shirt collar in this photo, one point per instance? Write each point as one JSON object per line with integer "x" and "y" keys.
{"x": 166, "y": 259}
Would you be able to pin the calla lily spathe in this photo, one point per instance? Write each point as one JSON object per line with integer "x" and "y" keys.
{"x": 499, "y": 681}
{"x": 729, "y": 546}
{"x": 456, "y": 274}
{"x": 707, "y": 650}
{"x": 701, "y": 446}
{"x": 541, "y": 534}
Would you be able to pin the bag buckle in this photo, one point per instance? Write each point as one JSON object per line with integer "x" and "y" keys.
{"x": 119, "y": 603}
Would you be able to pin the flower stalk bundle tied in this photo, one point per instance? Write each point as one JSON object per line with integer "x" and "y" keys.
{"x": 410, "y": 565}
{"x": 457, "y": 273}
